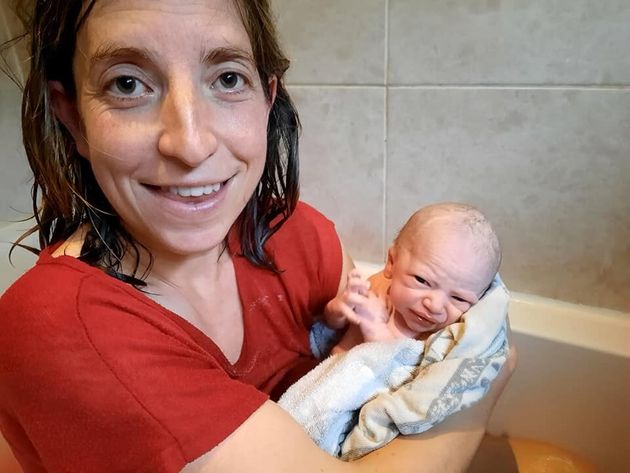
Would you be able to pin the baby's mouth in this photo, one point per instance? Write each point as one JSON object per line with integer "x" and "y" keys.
{"x": 422, "y": 317}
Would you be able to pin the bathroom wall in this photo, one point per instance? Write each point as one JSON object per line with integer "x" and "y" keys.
{"x": 14, "y": 173}
{"x": 521, "y": 108}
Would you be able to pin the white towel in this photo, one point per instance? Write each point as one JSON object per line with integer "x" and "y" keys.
{"x": 355, "y": 402}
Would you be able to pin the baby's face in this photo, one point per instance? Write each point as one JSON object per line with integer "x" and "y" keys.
{"x": 435, "y": 278}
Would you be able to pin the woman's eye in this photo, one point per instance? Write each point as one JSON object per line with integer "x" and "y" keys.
{"x": 127, "y": 86}
{"x": 230, "y": 81}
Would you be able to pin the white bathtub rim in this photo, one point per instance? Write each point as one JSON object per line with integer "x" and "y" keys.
{"x": 592, "y": 328}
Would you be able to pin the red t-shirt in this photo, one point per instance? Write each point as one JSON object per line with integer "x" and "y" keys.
{"x": 97, "y": 377}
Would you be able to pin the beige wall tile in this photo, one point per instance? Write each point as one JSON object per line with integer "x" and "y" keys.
{"x": 509, "y": 41}
{"x": 550, "y": 168}
{"x": 14, "y": 173}
{"x": 333, "y": 41}
{"x": 341, "y": 156}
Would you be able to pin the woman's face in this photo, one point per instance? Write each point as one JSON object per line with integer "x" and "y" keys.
{"x": 172, "y": 117}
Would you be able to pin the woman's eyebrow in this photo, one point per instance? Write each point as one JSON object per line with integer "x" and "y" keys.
{"x": 109, "y": 51}
{"x": 225, "y": 54}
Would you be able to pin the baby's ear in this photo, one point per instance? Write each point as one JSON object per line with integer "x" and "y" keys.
{"x": 389, "y": 265}
{"x": 66, "y": 111}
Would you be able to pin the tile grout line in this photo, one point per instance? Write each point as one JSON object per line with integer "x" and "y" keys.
{"x": 466, "y": 87}
{"x": 385, "y": 131}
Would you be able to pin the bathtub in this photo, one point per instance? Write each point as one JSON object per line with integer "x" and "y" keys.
{"x": 571, "y": 387}
{"x": 572, "y": 384}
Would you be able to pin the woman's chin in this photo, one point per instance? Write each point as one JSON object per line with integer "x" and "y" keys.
{"x": 186, "y": 244}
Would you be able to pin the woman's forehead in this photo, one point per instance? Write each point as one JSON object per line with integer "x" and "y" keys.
{"x": 159, "y": 22}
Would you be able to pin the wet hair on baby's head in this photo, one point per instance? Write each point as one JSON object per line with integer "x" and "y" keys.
{"x": 461, "y": 218}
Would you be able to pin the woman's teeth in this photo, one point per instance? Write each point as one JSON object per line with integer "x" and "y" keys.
{"x": 194, "y": 191}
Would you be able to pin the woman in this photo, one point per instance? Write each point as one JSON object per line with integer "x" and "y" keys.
{"x": 178, "y": 276}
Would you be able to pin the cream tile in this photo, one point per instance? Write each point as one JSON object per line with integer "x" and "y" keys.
{"x": 341, "y": 161}
{"x": 550, "y": 168}
{"x": 14, "y": 172}
{"x": 509, "y": 42}
{"x": 333, "y": 41}
{"x": 15, "y": 175}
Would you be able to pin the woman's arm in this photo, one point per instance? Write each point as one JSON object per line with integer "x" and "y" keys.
{"x": 270, "y": 441}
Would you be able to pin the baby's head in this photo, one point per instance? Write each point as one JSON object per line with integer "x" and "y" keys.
{"x": 440, "y": 264}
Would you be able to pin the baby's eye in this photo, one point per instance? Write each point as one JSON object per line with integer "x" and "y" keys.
{"x": 460, "y": 299}
{"x": 421, "y": 280}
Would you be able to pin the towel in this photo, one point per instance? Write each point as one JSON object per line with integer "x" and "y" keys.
{"x": 355, "y": 402}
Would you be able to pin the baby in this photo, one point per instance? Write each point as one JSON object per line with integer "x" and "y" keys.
{"x": 440, "y": 264}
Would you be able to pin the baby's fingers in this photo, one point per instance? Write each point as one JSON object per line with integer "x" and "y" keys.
{"x": 359, "y": 285}
{"x": 354, "y": 298}
{"x": 350, "y": 315}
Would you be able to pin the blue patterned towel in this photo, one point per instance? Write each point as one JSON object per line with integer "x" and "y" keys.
{"x": 355, "y": 402}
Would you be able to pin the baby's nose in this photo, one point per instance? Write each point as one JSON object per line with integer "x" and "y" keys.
{"x": 435, "y": 303}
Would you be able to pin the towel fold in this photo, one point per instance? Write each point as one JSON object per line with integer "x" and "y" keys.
{"x": 355, "y": 402}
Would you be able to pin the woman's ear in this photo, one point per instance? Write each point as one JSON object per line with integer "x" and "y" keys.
{"x": 388, "y": 271}
{"x": 66, "y": 111}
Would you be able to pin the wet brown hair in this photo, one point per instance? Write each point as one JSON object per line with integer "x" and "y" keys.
{"x": 65, "y": 194}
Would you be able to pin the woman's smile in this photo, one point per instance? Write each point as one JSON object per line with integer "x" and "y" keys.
{"x": 175, "y": 119}
{"x": 186, "y": 200}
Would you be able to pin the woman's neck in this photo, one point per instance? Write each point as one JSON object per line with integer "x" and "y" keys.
{"x": 162, "y": 268}
{"x": 190, "y": 271}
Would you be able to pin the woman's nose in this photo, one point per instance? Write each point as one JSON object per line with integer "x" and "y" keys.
{"x": 186, "y": 126}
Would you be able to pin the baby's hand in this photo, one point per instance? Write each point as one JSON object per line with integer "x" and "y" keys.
{"x": 368, "y": 308}
{"x": 372, "y": 309}
{"x": 374, "y": 317}
{"x": 357, "y": 284}
{"x": 340, "y": 310}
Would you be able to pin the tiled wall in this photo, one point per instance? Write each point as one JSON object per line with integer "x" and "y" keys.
{"x": 14, "y": 174}
{"x": 521, "y": 107}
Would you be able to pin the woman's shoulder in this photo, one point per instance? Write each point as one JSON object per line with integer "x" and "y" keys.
{"x": 48, "y": 293}
{"x": 48, "y": 274}
{"x": 307, "y": 249}
{"x": 39, "y": 310}
{"x": 307, "y": 230}
{"x": 307, "y": 214}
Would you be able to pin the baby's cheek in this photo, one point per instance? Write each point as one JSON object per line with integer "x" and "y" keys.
{"x": 454, "y": 314}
